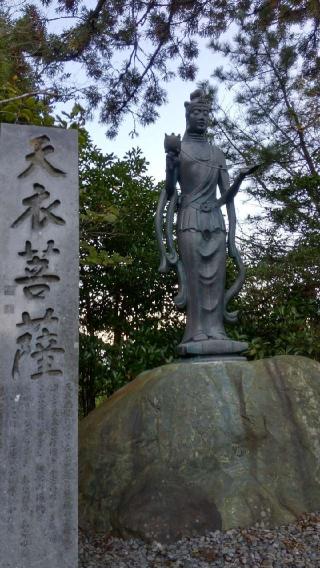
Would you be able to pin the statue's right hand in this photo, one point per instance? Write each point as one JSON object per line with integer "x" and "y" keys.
{"x": 171, "y": 161}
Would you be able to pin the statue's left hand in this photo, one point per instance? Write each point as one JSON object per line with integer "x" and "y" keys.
{"x": 247, "y": 170}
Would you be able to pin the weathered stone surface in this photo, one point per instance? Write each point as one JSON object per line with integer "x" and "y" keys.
{"x": 193, "y": 446}
{"x": 38, "y": 347}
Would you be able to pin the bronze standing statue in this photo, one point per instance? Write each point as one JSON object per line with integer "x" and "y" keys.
{"x": 199, "y": 168}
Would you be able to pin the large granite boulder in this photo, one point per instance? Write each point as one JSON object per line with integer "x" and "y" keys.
{"x": 190, "y": 447}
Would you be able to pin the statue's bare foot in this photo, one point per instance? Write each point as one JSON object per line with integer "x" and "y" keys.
{"x": 200, "y": 336}
{"x": 218, "y": 334}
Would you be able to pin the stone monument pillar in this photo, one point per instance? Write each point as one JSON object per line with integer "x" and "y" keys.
{"x": 38, "y": 347}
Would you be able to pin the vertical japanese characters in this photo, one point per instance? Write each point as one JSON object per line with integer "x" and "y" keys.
{"x": 38, "y": 331}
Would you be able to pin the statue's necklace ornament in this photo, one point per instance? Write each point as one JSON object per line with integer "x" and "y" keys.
{"x": 200, "y": 261}
{"x": 202, "y": 161}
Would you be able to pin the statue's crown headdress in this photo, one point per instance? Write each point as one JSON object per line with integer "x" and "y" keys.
{"x": 198, "y": 98}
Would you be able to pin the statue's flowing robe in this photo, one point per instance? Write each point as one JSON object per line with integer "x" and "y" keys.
{"x": 202, "y": 238}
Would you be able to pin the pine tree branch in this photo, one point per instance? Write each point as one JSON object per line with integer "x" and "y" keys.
{"x": 28, "y": 96}
{"x": 293, "y": 113}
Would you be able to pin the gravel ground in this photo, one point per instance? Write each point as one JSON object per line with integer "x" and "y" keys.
{"x": 296, "y": 546}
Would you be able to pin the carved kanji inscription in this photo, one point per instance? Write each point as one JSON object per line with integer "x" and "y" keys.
{"x": 46, "y": 349}
{"x": 40, "y": 215}
{"x": 39, "y": 341}
{"x": 41, "y": 149}
{"x": 37, "y": 274}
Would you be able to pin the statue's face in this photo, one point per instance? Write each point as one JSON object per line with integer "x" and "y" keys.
{"x": 198, "y": 119}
